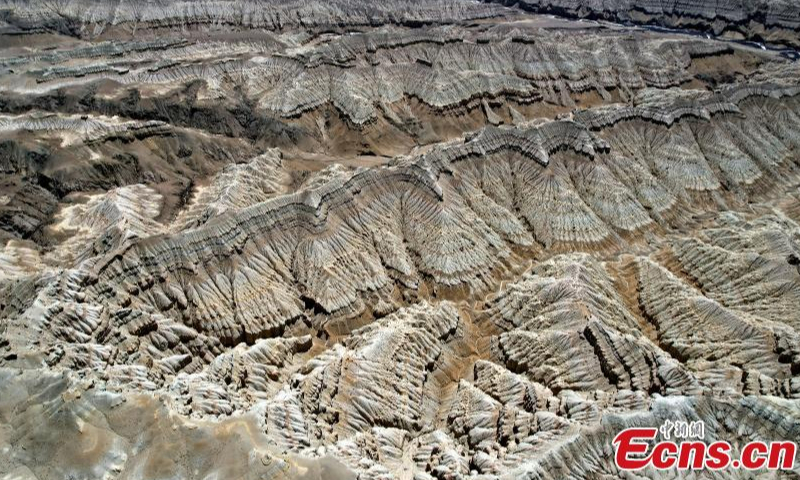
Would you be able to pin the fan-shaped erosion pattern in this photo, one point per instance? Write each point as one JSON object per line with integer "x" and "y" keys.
{"x": 408, "y": 240}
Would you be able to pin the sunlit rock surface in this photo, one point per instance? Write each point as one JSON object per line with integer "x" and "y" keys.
{"x": 439, "y": 240}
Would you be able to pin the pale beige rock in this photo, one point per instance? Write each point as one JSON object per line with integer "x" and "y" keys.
{"x": 412, "y": 240}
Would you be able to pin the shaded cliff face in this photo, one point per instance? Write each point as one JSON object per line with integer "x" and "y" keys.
{"x": 771, "y": 21}
{"x": 411, "y": 240}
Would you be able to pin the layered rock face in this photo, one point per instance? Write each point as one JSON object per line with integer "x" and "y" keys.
{"x": 411, "y": 241}
{"x": 774, "y": 21}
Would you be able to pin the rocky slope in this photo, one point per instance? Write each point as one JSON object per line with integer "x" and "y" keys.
{"x": 457, "y": 240}
{"x": 774, "y": 21}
